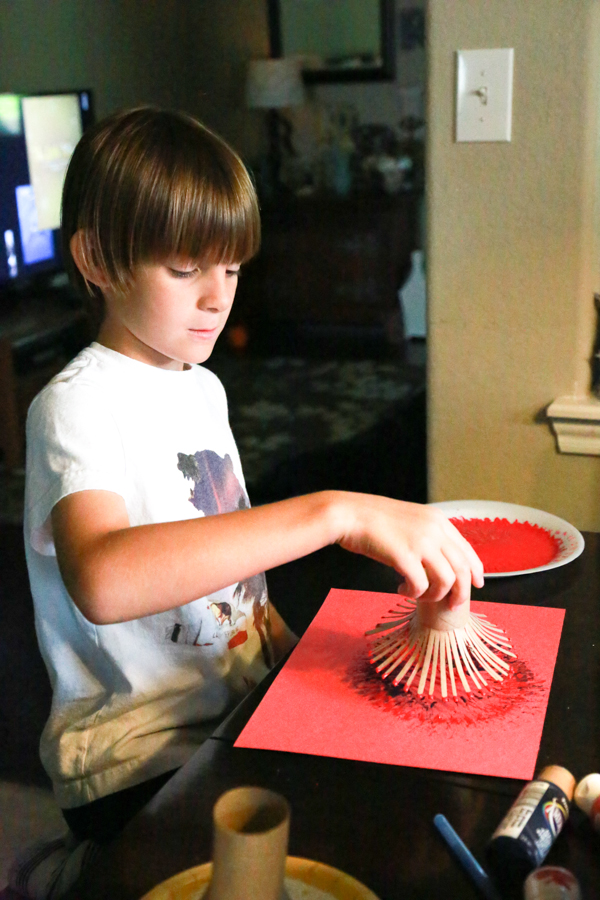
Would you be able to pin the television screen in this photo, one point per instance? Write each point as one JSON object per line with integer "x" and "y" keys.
{"x": 38, "y": 134}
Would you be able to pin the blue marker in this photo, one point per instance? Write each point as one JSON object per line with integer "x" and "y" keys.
{"x": 463, "y": 855}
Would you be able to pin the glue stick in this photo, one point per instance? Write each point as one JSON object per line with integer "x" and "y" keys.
{"x": 587, "y": 798}
{"x": 523, "y": 838}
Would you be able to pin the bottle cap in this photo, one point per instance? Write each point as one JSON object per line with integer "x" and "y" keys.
{"x": 551, "y": 883}
{"x": 587, "y": 791}
{"x": 562, "y": 778}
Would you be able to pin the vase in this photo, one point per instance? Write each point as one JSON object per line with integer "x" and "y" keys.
{"x": 413, "y": 298}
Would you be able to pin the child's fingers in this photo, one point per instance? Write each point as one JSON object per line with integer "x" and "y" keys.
{"x": 451, "y": 577}
{"x": 419, "y": 542}
{"x": 415, "y": 579}
{"x": 433, "y": 579}
{"x": 446, "y": 573}
{"x": 460, "y": 591}
{"x": 473, "y": 560}
{"x": 468, "y": 572}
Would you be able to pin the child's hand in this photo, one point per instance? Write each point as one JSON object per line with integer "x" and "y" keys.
{"x": 418, "y": 541}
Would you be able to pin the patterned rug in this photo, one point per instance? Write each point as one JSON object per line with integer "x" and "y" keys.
{"x": 284, "y": 408}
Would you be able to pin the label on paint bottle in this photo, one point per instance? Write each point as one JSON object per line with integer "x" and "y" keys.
{"x": 536, "y": 818}
{"x": 526, "y": 833}
{"x": 521, "y": 811}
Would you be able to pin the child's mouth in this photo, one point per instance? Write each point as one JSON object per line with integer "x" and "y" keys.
{"x": 205, "y": 333}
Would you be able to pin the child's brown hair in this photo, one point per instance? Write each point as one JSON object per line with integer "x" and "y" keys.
{"x": 147, "y": 184}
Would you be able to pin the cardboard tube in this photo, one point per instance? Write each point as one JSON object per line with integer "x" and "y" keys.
{"x": 251, "y": 830}
{"x": 439, "y": 616}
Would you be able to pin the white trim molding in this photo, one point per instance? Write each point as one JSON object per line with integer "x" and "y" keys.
{"x": 576, "y": 423}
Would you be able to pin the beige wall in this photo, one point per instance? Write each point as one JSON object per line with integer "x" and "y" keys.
{"x": 512, "y": 260}
{"x": 174, "y": 53}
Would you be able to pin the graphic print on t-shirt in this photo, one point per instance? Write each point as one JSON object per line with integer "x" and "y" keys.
{"x": 216, "y": 489}
{"x": 254, "y": 591}
{"x": 216, "y": 486}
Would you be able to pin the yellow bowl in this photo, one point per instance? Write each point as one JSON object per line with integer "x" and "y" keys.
{"x": 304, "y": 880}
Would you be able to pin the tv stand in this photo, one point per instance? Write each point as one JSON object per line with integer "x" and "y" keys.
{"x": 39, "y": 334}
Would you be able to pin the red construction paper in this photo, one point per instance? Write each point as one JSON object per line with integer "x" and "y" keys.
{"x": 327, "y": 700}
{"x": 504, "y": 546}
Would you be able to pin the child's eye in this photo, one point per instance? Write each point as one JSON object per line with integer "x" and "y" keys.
{"x": 182, "y": 273}
{"x": 232, "y": 272}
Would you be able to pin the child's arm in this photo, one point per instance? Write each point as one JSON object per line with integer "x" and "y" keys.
{"x": 115, "y": 572}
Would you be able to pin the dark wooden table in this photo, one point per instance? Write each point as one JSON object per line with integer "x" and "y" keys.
{"x": 375, "y": 821}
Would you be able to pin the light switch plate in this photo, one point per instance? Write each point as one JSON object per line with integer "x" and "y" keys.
{"x": 484, "y": 87}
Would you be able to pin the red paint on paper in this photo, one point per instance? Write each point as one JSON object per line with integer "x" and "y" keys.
{"x": 329, "y": 701}
{"x": 465, "y": 710}
{"x": 504, "y": 546}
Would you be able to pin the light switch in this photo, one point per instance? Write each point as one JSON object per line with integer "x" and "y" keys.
{"x": 484, "y": 86}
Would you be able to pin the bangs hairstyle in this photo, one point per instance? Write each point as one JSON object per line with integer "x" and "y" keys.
{"x": 146, "y": 185}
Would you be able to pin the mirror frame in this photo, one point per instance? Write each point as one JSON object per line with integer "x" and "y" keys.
{"x": 385, "y": 72}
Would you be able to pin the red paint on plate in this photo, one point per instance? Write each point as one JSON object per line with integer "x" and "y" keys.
{"x": 504, "y": 546}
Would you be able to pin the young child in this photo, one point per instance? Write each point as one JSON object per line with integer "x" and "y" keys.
{"x": 144, "y": 555}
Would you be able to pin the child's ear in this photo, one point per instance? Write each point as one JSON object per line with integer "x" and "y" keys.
{"x": 83, "y": 255}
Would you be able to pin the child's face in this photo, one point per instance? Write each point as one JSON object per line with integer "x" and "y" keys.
{"x": 172, "y": 314}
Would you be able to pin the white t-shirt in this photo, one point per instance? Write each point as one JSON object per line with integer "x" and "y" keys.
{"x": 135, "y": 699}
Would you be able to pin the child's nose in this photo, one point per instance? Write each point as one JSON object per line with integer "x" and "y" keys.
{"x": 216, "y": 293}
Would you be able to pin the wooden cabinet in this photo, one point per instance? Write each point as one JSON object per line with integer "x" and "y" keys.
{"x": 331, "y": 261}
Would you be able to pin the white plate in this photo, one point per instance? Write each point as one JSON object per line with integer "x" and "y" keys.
{"x": 571, "y": 540}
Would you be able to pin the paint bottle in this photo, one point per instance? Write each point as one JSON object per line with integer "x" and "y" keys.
{"x": 587, "y": 798}
{"x": 551, "y": 883}
{"x": 523, "y": 838}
